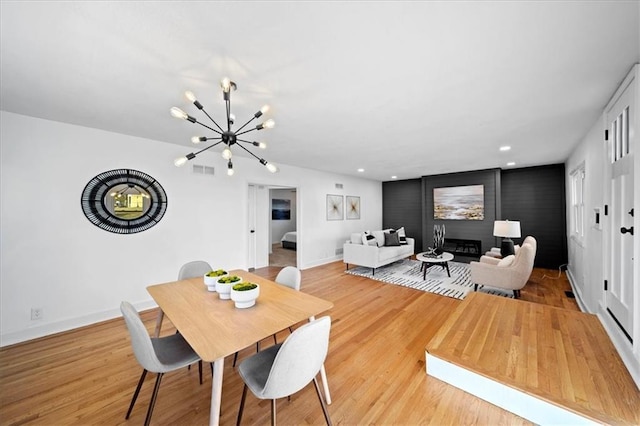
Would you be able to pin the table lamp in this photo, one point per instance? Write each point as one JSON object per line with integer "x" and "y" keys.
{"x": 506, "y": 229}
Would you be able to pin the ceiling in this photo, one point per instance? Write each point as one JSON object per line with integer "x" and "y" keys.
{"x": 400, "y": 89}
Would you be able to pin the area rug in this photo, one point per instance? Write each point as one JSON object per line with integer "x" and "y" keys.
{"x": 407, "y": 273}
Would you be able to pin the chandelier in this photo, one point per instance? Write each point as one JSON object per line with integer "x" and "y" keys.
{"x": 226, "y": 136}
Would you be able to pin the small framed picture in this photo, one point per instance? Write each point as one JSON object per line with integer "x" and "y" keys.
{"x": 353, "y": 207}
{"x": 335, "y": 208}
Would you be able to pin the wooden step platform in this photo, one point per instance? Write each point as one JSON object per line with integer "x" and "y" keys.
{"x": 546, "y": 364}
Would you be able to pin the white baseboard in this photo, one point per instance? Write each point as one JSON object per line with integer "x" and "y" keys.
{"x": 320, "y": 262}
{"x": 47, "y": 329}
{"x": 503, "y": 396}
{"x": 576, "y": 292}
{"x": 622, "y": 345}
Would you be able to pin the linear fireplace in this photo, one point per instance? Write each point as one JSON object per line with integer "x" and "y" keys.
{"x": 463, "y": 247}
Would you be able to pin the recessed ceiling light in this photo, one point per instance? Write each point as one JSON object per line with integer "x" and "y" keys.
{"x": 511, "y": 163}
{"x": 394, "y": 177}
{"x": 360, "y": 170}
{"x": 505, "y": 148}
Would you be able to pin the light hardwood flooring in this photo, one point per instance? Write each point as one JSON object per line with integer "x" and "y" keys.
{"x": 281, "y": 256}
{"x": 375, "y": 366}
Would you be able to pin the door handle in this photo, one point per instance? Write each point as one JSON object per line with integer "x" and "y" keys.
{"x": 625, "y": 230}
{"x": 631, "y": 212}
{"x": 253, "y": 231}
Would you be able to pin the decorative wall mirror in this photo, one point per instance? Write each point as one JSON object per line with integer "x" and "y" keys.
{"x": 124, "y": 201}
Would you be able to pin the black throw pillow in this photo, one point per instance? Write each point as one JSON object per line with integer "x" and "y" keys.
{"x": 391, "y": 239}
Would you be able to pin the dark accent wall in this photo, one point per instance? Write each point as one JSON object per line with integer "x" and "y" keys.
{"x": 481, "y": 230}
{"x": 402, "y": 206}
{"x": 536, "y": 197}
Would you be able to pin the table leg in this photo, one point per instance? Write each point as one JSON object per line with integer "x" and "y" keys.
{"x": 446, "y": 265}
{"x": 156, "y": 333}
{"x": 216, "y": 392}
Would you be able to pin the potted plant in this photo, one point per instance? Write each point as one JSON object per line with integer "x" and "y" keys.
{"x": 211, "y": 277}
{"x": 223, "y": 285}
{"x": 245, "y": 294}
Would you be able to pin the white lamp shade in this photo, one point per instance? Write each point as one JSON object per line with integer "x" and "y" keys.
{"x": 506, "y": 228}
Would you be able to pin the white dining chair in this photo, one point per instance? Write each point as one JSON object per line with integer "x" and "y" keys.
{"x": 284, "y": 369}
{"x": 157, "y": 355}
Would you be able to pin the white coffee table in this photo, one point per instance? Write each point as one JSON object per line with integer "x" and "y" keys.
{"x": 428, "y": 262}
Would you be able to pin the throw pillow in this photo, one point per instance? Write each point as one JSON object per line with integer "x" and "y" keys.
{"x": 402, "y": 237}
{"x": 507, "y": 261}
{"x": 379, "y": 237}
{"x": 391, "y": 239}
{"x": 368, "y": 239}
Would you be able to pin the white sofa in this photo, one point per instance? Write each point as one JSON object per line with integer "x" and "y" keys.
{"x": 374, "y": 256}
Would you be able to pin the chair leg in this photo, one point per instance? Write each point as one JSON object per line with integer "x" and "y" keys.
{"x": 324, "y": 406}
{"x": 244, "y": 396}
{"x": 135, "y": 394}
{"x": 154, "y": 395}
{"x": 200, "y": 370}
{"x": 276, "y": 340}
{"x": 475, "y": 287}
{"x": 235, "y": 358}
{"x": 273, "y": 412}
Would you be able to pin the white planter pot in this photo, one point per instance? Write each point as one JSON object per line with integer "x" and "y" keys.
{"x": 224, "y": 289}
{"x": 210, "y": 282}
{"x": 245, "y": 299}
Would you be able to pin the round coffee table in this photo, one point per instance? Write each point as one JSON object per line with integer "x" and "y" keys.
{"x": 428, "y": 261}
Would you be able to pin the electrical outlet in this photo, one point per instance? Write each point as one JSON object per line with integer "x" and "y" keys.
{"x": 36, "y": 314}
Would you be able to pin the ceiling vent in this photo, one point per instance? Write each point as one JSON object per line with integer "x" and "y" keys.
{"x": 199, "y": 169}
{"x": 339, "y": 186}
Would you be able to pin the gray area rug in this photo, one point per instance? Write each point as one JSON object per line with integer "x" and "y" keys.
{"x": 407, "y": 273}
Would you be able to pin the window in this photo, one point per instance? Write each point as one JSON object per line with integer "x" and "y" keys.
{"x": 577, "y": 202}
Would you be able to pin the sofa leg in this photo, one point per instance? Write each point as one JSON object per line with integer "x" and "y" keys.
{"x": 373, "y": 271}
{"x": 475, "y": 287}
{"x": 516, "y": 294}
{"x": 347, "y": 267}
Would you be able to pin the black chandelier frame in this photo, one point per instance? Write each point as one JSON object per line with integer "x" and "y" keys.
{"x": 227, "y": 136}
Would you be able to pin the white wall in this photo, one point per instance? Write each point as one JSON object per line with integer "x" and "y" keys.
{"x": 586, "y": 256}
{"x": 53, "y": 258}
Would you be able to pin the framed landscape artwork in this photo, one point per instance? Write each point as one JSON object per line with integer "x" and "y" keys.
{"x": 459, "y": 202}
{"x": 280, "y": 209}
{"x": 335, "y": 208}
{"x": 353, "y": 207}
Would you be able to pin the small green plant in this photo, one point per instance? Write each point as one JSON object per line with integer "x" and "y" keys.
{"x": 229, "y": 279}
{"x": 216, "y": 273}
{"x": 245, "y": 286}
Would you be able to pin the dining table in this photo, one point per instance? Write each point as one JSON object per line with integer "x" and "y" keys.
{"x": 215, "y": 328}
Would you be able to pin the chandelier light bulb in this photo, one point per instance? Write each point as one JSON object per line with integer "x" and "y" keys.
{"x": 226, "y": 153}
{"x": 269, "y": 124}
{"x": 189, "y": 94}
{"x": 180, "y": 161}
{"x": 264, "y": 109}
{"x": 198, "y": 139}
{"x": 225, "y": 84}
{"x": 230, "y": 168}
{"x": 272, "y": 167}
{"x": 262, "y": 145}
{"x": 178, "y": 113}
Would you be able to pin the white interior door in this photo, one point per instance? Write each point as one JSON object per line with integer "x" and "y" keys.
{"x": 251, "y": 254}
{"x": 619, "y": 297}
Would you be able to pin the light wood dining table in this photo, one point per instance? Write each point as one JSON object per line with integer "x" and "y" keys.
{"x": 215, "y": 328}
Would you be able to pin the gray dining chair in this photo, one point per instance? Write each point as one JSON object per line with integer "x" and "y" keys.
{"x": 291, "y": 277}
{"x": 194, "y": 269}
{"x": 158, "y": 355}
{"x": 284, "y": 369}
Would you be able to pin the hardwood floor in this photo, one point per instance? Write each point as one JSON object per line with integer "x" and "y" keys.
{"x": 375, "y": 366}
